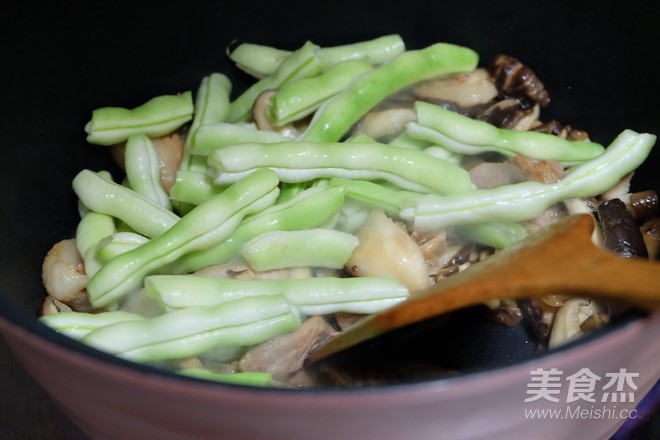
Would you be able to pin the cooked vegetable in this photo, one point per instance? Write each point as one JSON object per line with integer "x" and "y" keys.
{"x": 192, "y": 331}
{"x": 208, "y": 224}
{"x": 310, "y": 247}
{"x": 302, "y": 63}
{"x": 464, "y": 135}
{"x": 106, "y": 197}
{"x": 526, "y": 200}
{"x": 156, "y": 117}
{"x": 308, "y": 209}
{"x": 342, "y": 181}
{"x": 142, "y": 170}
{"x": 333, "y": 119}
{"x": 311, "y": 296}
{"x": 261, "y": 61}
{"x": 303, "y": 161}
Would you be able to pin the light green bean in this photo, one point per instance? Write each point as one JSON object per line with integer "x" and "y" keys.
{"x": 157, "y": 117}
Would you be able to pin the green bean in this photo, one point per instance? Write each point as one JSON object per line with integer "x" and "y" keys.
{"x": 300, "y": 98}
{"x": 156, "y": 117}
{"x": 311, "y": 296}
{"x": 307, "y": 209}
{"x": 194, "y": 187}
{"x": 526, "y": 200}
{"x": 498, "y": 235}
{"x": 106, "y": 197}
{"x": 256, "y": 59}
{"x": 302, "y": 63}
{"x": 92, "y": 228}
{"x": 302, "y": 161}
{"x": 376, "y": 196}
{"x": 117, "y": 244}
{"x": 404, "y": 140}
{"x": 465, "y": 135}
{"x": 143, "y": 169}
{"x": 377, "y": 51}
{"x": 337, "y": 115}
{"x": 211, "y": 105}
{"x": 247, "y": 378}
{"x": 192, "y": 331}
{"x": 76, "y": 325}
{"x": 205, "y": 226}
{"x": 314, "y": 247}
{"x": 213, "y": 136}
{"x": 261, "y": 61}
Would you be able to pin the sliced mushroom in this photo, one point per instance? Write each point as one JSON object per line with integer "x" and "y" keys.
{"x": 563, "y": 131}
{"x": 620, "y": 231}
{"x": 651, "y": 234}
{"x": 513, "y": 78}
{"x": 511, "y": 114}
{"x": 570, "y": 318}
{"x": 465, "y": 89}
{"x": 644, "y": 204}
{"x": 285, "y": 354}
{"x": 544, "y": 171}
{"x": 384, "y": 123}
{"x": 494, "y": 174}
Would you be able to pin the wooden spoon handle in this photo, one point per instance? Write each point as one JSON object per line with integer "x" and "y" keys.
{"x": 561, "y": 259}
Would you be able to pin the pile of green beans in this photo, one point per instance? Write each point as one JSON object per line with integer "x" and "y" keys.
{"x": 273, "y": 200}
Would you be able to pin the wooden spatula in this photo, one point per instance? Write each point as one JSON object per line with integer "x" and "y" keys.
{"x": 560, "y": 259}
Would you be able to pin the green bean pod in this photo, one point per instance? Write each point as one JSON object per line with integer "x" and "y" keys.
{"x": 315, "y": 247}
{"x": 157, "y": 117}
{"x": 302, "y": 63}
{"x": 194, "y": 187}
{"x": 498, "y": 235}
{"x": 213, "y": 136}
{"x": 143, "y": 170}
{"x": 92, "y": 228}
{"x": 526, "y": 200}
{"x": 206, "y": 225}
{"x": 256, "y": 59}
{"x": 376, "y": 196}
{"x": 247, "y": 378}
{"x": 301, "y": 98}
{"x": 307, "y": 209}
{"x": 465, "y": 135}
{"x": 378, "y": 50}
{"x": 193, "y": 331}
{"x": 333, "y": 120}
{"x": 301, "y": 161}
{"x": 312, "y": 296}
{"x": 77, "y": 325}
{"x": 117, "y": 244}
{"x": 106, "y": 197}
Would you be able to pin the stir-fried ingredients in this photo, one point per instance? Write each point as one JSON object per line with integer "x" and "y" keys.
{"x": 252, "y": 226}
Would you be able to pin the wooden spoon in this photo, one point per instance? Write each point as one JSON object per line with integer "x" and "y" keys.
{"x": 560, "y": 259}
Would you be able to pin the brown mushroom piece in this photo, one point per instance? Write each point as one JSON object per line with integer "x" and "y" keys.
{"x": 384, "y": 124}
{"x": 512, "y": 78}
{"x": 285, "y": 354}
{"x": 620, "y": 231}
{"x": 651, "y": 234}
{"x": 644, "y": 204}
{"x": 572, "y": 315}
{"x": 512, "y": 114}
{"x": 464, "y": 89}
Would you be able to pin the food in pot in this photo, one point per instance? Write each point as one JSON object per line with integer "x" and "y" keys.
{"x": 247, "y": 230}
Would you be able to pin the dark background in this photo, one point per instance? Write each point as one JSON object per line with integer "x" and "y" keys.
{"x": 60, "y": 60}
